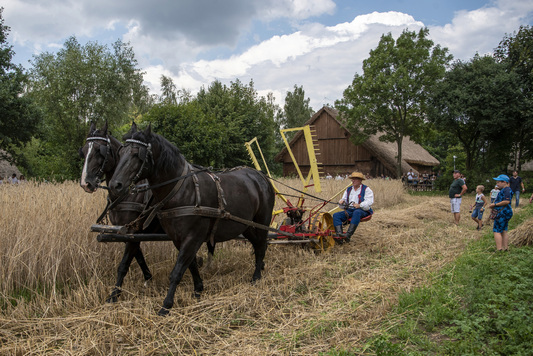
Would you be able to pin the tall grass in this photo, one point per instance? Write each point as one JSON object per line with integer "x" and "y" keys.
{"x": 54, "y": 278}
{"x": 46, "y": 245}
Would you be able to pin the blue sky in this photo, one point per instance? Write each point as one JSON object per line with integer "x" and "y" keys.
{"x": 319, "y": 44}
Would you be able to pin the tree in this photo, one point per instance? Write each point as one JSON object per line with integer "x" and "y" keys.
{"x": 243, "y": 116}
{"x": 476, "y": 102}
{"x": 86, "y": 83}
{"x": 19, "y": 115}
{"x": 296, "y": 110}
{"x": 517, "y": 52}
{"x": 168, "y": 91}
{"x": 390, "y": 98}
{"x": 197, "y": 135}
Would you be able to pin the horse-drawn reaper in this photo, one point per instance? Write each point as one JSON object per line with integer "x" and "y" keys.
{"x": 195, "y": 205}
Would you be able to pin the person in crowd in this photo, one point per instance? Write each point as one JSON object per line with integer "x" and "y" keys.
{"x": 494, "y": 193}
{"x": 1, "y": 180}
{"x": 410, "y": 176}
{"x": 479, "y": 207}
{"x": 359, "y": 199}
{"x": 328, "y": 176}
{"x": 456, "y": 192}
{"x": 502, "y": 212}
{"x": 13, "y": 179}
{"x": 22, "y": 179}
{"x": 515, "y": 183}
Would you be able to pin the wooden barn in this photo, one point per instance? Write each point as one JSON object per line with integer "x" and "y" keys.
{"x": 338, "y": 155}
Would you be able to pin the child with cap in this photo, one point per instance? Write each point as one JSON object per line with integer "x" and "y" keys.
{"x": 502, "y": 205}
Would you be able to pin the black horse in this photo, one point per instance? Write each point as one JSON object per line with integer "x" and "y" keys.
{"x": 101, "y": 157}
{"x": 192, "y": 200}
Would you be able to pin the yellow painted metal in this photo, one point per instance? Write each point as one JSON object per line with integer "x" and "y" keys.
{"x": 258, "y": 166}
{"x": 335, "y": 209}
{"x": 313, "y": 171}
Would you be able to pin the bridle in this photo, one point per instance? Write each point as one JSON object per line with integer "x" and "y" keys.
{"x": 107, "y": 150}
{"x": 145, "y": 155}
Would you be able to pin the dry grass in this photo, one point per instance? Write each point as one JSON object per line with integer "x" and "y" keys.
{"x": 522, "y": 235}
{"x": 55, "y": 277}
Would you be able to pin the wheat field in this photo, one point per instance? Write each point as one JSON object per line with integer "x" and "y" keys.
{"x": 54, "y": 278}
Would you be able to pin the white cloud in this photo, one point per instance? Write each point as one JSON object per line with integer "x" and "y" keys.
{"x": 481, "y": 30}
{"x": 313, "y": 57}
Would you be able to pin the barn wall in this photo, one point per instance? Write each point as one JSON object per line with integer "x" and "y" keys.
{"x": 337, "y": 154}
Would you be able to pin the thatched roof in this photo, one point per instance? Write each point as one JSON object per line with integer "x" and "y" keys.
{"x": 7, "y": 169}
{"x": 386, "y": 152}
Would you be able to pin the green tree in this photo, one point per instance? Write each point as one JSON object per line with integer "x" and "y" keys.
{"x": 86, "y": 83}
{"x": 197, "y": 135}
{"x": 476, "y": 102}
{"x": 19, "y": 115}
{"x": 517, "y": 52}
{"x": 390, "y": 98}
{"x": 243, "y": 116}
{"x": 168, "y": 91}
{"x": 296, "y": 110}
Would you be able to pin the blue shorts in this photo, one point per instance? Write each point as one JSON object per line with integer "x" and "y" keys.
{"x": 478, "y": 213}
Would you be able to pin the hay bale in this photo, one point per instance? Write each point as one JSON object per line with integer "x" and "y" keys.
{"x": 523, "y": 234}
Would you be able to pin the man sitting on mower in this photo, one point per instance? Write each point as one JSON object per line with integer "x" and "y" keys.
{"x": 357, "y": 202}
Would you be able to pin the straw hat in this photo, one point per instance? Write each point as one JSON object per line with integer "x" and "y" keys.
{"x": 357, "y": 175}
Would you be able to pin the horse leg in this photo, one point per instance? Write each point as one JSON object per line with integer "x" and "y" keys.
{"x": 197, "y": 280}
{"x": 142, "y": 263}
{"x": 259, "y": 242}
{"x": 186, "y": 256}
{"x": 210, "y": 253}
{"x": 129, "y": 252}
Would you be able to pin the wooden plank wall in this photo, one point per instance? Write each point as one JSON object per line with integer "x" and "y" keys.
{"x": 338, "y": 154}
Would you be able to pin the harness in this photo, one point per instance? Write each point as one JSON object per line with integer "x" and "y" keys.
{"x": 146, "y": 155}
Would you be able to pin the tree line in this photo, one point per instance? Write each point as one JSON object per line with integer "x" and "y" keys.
{"x": 479, "y": 111}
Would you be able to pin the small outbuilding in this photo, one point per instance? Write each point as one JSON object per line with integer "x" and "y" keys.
{"x": 338, "y": 155}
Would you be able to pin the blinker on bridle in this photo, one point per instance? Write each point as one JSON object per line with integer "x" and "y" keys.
{"x": 100, "y": 172}
{"x": 144, "y": 153}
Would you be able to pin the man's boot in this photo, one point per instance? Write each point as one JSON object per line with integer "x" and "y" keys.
{"x": 349, "y": 233}
{"x": 338, "y": 231}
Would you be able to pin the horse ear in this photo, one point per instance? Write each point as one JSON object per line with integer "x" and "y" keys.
{"x": 105, "y": 128}
{"x": 92, "y": 127}
{"x": 148, "y": 131}
{"x": 133, "y": 127}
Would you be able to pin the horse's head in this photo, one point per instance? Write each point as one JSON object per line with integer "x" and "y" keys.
{"x": 99, "y": 156}
{"x": 136, "y": 160}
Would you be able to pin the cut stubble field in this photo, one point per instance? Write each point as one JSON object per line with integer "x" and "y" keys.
{"x": 54, "y": 278}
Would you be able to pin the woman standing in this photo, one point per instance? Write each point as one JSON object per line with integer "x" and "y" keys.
{"x": 502, "y": 205}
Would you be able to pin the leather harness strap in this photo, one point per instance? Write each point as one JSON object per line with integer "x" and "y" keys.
{"x": 155, "y": 208}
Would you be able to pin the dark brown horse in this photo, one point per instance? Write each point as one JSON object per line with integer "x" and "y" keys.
{"x": 101, "y": 157}
{"x": 187, "y": 195}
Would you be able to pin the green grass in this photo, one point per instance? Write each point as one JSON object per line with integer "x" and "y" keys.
{"x": 479, "y": 305}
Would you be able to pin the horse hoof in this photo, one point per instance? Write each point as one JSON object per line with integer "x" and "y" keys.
{"x": 163, "y": 311}
{"x": 147, "y": 283}
{"x": 196, "y": 295}
{"x": 111, "y": 300}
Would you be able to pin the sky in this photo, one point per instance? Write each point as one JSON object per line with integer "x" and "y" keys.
{"x": 317, "y": 44}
